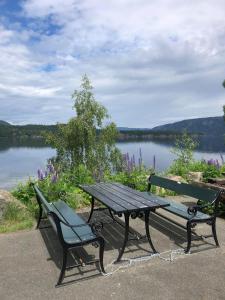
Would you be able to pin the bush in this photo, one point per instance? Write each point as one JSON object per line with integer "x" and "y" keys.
{"x": 56, "y": 185}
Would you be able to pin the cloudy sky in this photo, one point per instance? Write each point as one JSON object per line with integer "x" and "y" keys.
{"x": 150, "y": 61}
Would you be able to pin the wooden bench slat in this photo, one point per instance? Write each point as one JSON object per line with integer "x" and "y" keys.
{"x": 178, "y": 208}
{"x": 82, "y": 233}
{"x": 184, "y": 188}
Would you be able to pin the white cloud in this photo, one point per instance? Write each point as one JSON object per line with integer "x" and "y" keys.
{"x": 149, "y": 61}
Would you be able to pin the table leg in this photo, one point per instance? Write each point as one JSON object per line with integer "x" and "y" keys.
{"x": 147, "y": 213}
{"x": 92, "y": 208}
{"x": 126, "y": 234}
{"x": 111, "y": 215}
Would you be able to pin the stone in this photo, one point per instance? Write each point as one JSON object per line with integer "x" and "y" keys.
{"x": 176, "y": 178}
{"x": 195, "y": 176}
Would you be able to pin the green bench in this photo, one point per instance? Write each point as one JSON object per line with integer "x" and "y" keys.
{"x": 192, "y": 214}
{"x": 71, "y": 229}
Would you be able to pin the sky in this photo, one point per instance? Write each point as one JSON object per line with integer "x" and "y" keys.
{"x": 151, "y": 62}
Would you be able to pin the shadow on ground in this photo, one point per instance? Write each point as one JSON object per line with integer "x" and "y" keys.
{"x": 113, "y": 234}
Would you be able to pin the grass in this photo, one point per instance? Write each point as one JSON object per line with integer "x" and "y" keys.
{"x": 15, "y": 218}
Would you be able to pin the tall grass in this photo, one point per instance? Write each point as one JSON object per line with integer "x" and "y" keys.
{"x": 15, "y": 218}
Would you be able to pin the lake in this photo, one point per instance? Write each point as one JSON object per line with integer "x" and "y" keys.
{"x": 21, "y": 160}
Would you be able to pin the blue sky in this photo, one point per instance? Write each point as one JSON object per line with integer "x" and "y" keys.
{"x": 150, "y": 62}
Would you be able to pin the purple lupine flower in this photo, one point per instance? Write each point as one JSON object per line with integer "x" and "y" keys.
{"x": 128, "y": 157}
{"x": 210, "y": 161}
{"x": 217, "y": 164}
{"x": 139, "y": 162}
{"x": 54, "y": 178}
{"x": 214, "y": 163}
{"x": 46, "y": 173}
{"x": 40, "y": 174}
{"x": 50, "y": 168}
{"x": 154, "y": 162}
{"x": 140, "y": 153}
{"x": 134, "y": 161}
{"x": 128, "y": 167}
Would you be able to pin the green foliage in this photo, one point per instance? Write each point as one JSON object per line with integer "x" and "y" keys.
{"x": 85, "y": 140}
{"x": 137, "y": 178}
{"x": 24, "y": 131}
{"x": 15, "y": 218}
{"x": 183, "y": 150}
{"x": 57, "y": 185}
{"x": 223, "y": 83}
{"x": 66, "y": 187}
{"x": 25, "y": 194}
{"x": 208, "y": 170}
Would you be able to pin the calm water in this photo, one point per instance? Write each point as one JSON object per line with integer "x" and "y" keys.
{"x": 20, "y": 160}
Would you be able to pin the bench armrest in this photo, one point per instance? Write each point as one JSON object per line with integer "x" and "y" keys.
{"x": 96, "y": 227}
{"x": 193, "y": 210}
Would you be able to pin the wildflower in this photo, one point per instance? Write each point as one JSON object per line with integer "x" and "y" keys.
{"x": 54, "y": 178}
{"x": 214, "y": 163}
{"x": 40, "y": 174}
{"x": 50, "y": 168}
{"x": 154, "y": 162}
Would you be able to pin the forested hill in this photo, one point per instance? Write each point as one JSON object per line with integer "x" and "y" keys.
{"x": 27, "y": 131}
{"x": 4, "y": 123}
{"x": 209, "y": 126}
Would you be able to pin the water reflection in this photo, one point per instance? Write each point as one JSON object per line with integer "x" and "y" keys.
{"x": 206, "y": 143}
{"x": 20, "y": 159}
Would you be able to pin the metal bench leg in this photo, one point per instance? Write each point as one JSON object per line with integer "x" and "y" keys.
{"x": 188, "y": 237}
{"x": 101, "y": 253}
{"x": 92, "y": 208}
{"x": 214, "y": 232}
{"x": 126, "y": 234}
{"x": 147, "y": 213}
{"x": 63, "y": 269}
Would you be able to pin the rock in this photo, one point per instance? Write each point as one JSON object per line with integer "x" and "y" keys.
{"x": 176, "y": 178}
{"x": 195, "y": 176}
{"x": 6, "y": 198}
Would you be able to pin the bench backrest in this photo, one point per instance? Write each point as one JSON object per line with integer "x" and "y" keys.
{"x": 41, "y": 199}
{"x": 194, "y": 191}
{"x": 49, "y": 209}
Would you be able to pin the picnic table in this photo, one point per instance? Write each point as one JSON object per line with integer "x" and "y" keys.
{"x": 123, "y": 200}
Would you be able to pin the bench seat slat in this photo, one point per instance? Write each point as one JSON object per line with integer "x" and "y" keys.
{"x": 72, "y": 235}
{"x": 178, "y": 208}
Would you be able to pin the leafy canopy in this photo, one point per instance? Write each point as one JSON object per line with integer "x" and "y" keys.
{"x": 89, "y": 137}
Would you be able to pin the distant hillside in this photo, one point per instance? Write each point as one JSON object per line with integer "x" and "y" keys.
{"x": 209, "y": 126}
{"x": 206, "y": 126}
{"x": 4, "y": 123}
{"x": 24, "y": 131}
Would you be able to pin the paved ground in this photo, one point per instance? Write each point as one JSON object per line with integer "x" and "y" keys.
{"x": 30, "y": 261}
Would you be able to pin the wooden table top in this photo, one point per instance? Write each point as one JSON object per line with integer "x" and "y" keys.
{"x": 120, "y": 198}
